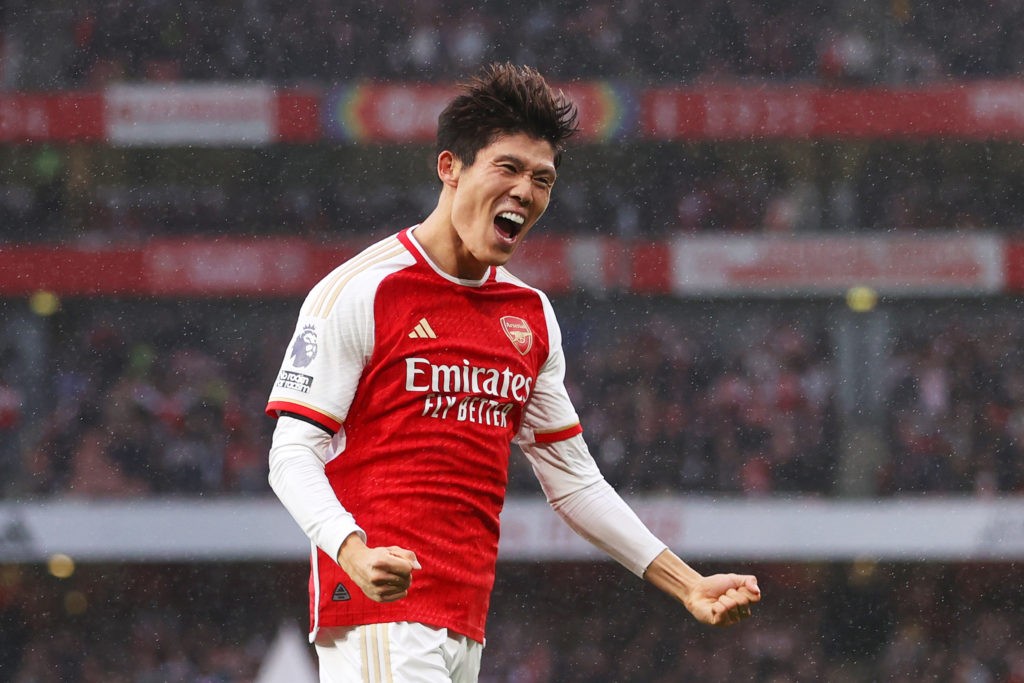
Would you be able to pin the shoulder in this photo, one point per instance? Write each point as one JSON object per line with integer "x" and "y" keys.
{"x": 545, "y": 309}
{"x": 501, "y": 275}
{"x": 504, "y": 277}
{"x": 358, "y": 278}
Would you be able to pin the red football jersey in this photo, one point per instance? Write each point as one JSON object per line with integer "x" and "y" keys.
{"x": 426, "y": 379}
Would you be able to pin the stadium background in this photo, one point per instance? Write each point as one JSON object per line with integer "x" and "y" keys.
{"x": 786, "y": 257}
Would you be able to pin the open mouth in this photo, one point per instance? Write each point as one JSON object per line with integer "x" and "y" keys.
{"x": 509, "y": 225}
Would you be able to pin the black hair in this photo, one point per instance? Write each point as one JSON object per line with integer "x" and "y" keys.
{"x": 505, "y": 99}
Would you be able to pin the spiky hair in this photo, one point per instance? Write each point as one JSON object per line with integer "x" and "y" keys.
{"x": 505, "y": 99}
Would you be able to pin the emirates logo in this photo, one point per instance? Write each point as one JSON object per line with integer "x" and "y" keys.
{"x": 518, "y": 332}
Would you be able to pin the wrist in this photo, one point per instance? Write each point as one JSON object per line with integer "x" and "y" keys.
{"x": 350, "y": 547}
{"x": 673, "y": 576}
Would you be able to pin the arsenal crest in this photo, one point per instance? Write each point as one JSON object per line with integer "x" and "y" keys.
{"x": 518, "y": 332}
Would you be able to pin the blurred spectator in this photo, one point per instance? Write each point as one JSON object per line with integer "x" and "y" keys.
{"x": 956, "y": 399}
{"x": 847, "y": 58}
{"x": 701, "y": 189}
{"x": 986, "y": 43}
{"x": 675, "y": 408}
{"x": 151, "y": 407}
{"x": 674, "y": 398}
{"x": 179, "y": 623}
{"x": 94, "y": 43}
{"x": 12, "y": 402}
{"x": 752, "y": 415}
{"x": 895, "y": 187}
{"x": 152, "y": 399}
{"x": 165, "y": 406}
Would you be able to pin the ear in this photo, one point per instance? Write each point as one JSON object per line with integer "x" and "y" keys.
{"x": 448, "y": 168}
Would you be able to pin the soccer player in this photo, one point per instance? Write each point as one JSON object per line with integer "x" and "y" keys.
{"x": 413, "y": 367}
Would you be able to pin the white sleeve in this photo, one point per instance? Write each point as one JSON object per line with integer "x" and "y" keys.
{"x": 577, "y": 491}
{"x": 297, "y": 457}
{"x": 334, "y": 338}
{"x": 549, "y": 415}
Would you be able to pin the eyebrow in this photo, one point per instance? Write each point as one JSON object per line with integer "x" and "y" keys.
{"x": 544, "y": 169}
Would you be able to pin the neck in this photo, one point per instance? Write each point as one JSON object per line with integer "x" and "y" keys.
{"x": 439, "y": 238}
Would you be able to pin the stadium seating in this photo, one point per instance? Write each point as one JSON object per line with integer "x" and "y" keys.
{"x": 135, "y": 357}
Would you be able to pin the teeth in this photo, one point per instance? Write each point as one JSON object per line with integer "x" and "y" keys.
{"x": 514, "y": 217}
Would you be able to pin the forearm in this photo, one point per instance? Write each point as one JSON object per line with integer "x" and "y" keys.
{"x": 576, "y": 490}
{"x": 599, "y": 515}
{"x": 673, "y": 576}
{"x": 297, "y": 477}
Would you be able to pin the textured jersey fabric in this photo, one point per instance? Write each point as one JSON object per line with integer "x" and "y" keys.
{"x": 426, "y": 379}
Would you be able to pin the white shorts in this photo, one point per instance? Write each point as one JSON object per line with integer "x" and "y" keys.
{"x": 400, "y": 652}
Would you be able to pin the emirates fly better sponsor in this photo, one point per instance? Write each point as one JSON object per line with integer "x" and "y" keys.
{"x": 490, "y": 390}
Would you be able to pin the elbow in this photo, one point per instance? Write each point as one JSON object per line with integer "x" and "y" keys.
{"x": 570, "y": 497}
{"x": 283, "y": 461}
{"x": 274, "y": 477}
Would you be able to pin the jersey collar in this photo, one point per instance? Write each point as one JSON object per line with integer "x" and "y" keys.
{"x": 407, "y": 238}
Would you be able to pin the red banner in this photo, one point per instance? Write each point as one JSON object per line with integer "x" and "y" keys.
{"x": 183, "y": 114}
{"x": 297, "y": 116}
{"x": 197, "y": 268}
{"x": 761, "y": 266}
{"x": 63, "y": 117}
{"x": 966, "y": 110}
{"x": 69, "y": 271}
{"x": 247, "y": 114}
{"x": 941, "y": 265}
{"x": 216, "y": 268}
{"x": 1015, "y": 266}
{"x": 162, "y": 115}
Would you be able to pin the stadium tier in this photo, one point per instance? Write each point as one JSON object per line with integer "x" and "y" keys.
{"x": 785, "y": 253}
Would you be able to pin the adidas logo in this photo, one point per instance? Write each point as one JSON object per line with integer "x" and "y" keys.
{"x": 422, "y": 331}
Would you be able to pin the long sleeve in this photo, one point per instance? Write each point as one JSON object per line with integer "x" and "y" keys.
{"x": 297, "y": 458}
{"x": 577, "y": 491}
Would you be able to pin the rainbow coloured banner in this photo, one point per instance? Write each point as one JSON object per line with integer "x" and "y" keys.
{"x": 402, "y": 113}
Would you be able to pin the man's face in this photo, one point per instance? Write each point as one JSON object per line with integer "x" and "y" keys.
{"x": 499, "y": 198}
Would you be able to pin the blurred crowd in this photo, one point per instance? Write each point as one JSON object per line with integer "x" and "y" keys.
{"x": 892, "y": 41}
{"x": 955, "y": 407}
{"x": 669, "y": 404}
{"x": 167, "y": 398}
{"x": 96, "y": 197}
{"x": 635, "y": 190}
{"x": 843, "y": 623}
{"x": 148, "y": 400}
